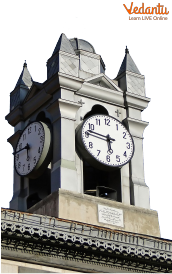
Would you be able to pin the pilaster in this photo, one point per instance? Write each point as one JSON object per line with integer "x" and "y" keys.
{"x": 63, "y": 173}
{"x": 139, "y": 192}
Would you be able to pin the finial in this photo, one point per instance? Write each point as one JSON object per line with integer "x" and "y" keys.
{"x": 25, "y": 64}
{"x": 126, "y": 50}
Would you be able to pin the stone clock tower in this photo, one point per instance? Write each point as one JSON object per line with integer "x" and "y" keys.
{"x": 71, "y": 185}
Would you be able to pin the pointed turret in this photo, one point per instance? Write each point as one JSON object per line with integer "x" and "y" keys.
{"x": 129, "y": 77}
{"x": 63, "y": 59}
{"x": 63, "y": 44}
{"x": 21, "y": 89}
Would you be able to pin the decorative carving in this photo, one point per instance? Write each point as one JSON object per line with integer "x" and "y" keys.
{"x": 54, "y": 237}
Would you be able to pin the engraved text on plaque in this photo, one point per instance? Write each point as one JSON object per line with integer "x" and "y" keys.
{"x": 110, "y": 215}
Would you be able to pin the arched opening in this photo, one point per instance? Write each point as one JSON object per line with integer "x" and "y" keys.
{"x": 97, "y": 109}
{"x": 42, "y": 118}
{"x": 98, "y": 182}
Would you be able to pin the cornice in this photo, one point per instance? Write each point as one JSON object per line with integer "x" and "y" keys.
{"x": 136, "y": 101}
{"x": 27, "y": 232}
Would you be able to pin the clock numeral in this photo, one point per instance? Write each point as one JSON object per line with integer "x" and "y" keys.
{"x": 108, "y": 158}
{"x": 90, "y": 144}
{"x": 91, "y": 126}
{"x": 125, "y": 154}
{"x": 124, "y": 135}
{"x": 98, "y": 152}
{"x": 20, "y": 146}
{"x": 28, "y": 166}
{"x": 29, "y": 130}
{"x": 86, "y": 134}
{"x": 116, "y": 126}
{"x": 23, "y": 167}
{"x": 41, "y": 139}
{"x": 24, "y": 136}
{"x": 107, "y": 122}
{"x": 28, "y": 158}
{"x": 19, "y": 164}
{"x": 98, "y": 122}
{"x": 17, "y": 157}
{"x": 128, "y": 145}
{"x": 118, "y": 158}
{"x": 34, "y": 160}
{"x": 39, "y": 131}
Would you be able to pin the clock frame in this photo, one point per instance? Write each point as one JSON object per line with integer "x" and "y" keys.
{"x": 104, "y": 142}
{"x": 33, "y": 150}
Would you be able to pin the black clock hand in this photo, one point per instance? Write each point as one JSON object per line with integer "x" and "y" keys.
{"x": 105, "y": 136}
{"x": 26, "y": 147}
{"x": 110, "y": 150}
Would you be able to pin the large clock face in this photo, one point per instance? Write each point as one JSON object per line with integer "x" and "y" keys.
{"x": 107, "y": 140}
{"x": 32, "y": 148}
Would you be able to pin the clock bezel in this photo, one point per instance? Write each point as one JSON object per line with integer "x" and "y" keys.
{"x": 46, "y": 153}
{"x": 90, "y": 158}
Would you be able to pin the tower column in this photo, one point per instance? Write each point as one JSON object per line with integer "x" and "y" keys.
{"x": 139, "y": 191}
{"x": 63, "y": 171}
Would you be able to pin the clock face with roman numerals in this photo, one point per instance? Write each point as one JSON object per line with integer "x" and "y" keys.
{"x": 32, "y": 148}
{"x": 107, "y": 141}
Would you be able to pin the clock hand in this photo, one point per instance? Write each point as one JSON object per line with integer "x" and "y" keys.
{"x": 26, "y": 147}
{"x": 105, "y": 136}
{"x": 110, "y": 150}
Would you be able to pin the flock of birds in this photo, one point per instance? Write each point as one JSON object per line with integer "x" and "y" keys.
{"x": 84, "y": 29}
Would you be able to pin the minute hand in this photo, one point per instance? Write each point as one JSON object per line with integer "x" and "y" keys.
{"x": 107, "y": 137}
{"x": 26, "y": 147}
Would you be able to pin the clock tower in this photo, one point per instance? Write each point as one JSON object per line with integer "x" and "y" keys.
{"x": 88, "y": 131}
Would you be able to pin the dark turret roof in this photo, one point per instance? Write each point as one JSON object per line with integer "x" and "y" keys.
{"x": 63, "y": 44}
{"x": 128, "y": 64}
{"x": 25, "y": 78}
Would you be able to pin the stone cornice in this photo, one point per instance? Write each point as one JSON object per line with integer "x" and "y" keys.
{"x": 136, "y": 101}
{"x": 48, "y": 236}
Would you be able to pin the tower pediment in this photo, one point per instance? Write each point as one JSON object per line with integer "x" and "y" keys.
{"x": 103, "y": 81}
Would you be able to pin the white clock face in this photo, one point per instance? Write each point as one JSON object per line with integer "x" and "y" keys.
{"x": 107, "y": 140}
{"x": 29, "y": 148}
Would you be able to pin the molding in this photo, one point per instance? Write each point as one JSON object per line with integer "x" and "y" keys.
{"x": 15, "y": 116}
{"x": 63, "y": 108}
{"x": 53, "y": 237}
{"x": 129, "y": 73}
{"x": 63, "y": 80}
{"x": 136, "y": 101}
{"x": 13, "y": 139}
{"x": 136, "y": 127}
{"x": 102, "y": 94}
{"x": 102, "y": 77}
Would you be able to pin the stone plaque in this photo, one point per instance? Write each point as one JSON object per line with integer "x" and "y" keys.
{"x": 110, "y": 215}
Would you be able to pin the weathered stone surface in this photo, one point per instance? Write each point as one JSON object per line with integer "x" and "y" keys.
{"x": 84, "y": 208}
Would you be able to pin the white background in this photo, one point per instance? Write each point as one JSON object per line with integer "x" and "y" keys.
{"x": 30, "y": 31}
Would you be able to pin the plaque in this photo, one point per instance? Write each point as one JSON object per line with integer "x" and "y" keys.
{"x": 110, "y": 215}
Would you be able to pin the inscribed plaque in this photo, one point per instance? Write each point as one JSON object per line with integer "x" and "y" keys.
{"x": 110, "y": 215}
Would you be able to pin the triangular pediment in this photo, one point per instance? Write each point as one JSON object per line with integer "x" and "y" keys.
{"x": 35, "y": 88}
{"x": 103, "y": 81}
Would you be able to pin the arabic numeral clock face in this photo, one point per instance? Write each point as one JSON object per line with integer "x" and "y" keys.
{"x": 33, "y": 151}
{"x": 104, "y": 142}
